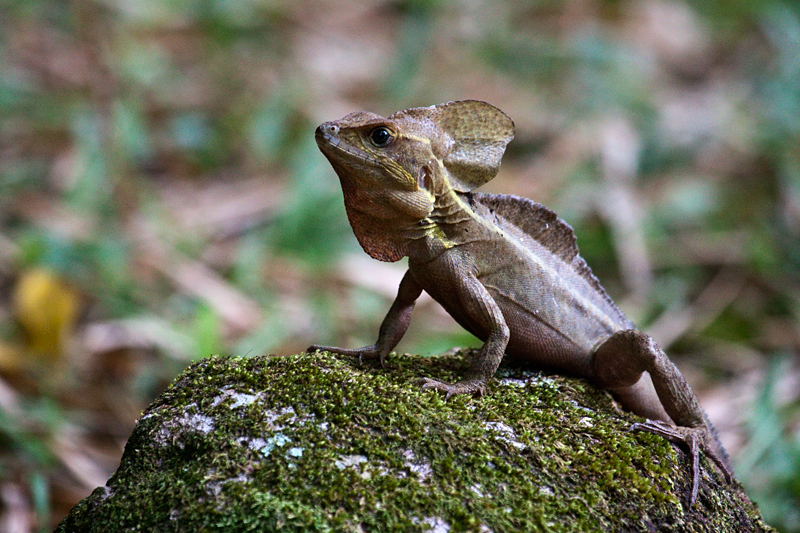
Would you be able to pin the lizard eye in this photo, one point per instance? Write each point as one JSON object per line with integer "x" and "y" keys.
{"x": 381, "y": 136}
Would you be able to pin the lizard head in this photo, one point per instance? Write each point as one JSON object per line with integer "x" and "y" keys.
{"x": 392, "y": 170}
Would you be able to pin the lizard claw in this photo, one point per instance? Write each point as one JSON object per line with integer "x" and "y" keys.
{"x": 472, "y": 386}
{"x": 695, "y": 439}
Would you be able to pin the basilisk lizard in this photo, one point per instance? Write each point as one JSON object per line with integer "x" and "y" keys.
{"x": 506, "y": 268}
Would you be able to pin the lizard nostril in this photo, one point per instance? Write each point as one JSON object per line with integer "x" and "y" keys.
{"x": 327, "y": 128}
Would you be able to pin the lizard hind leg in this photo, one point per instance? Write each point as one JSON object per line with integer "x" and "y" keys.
{"x": 617, "y": 367}
{"x": 618, "y": 364}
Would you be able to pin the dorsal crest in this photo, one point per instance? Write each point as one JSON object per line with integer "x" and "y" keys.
{"x": 530, "y": 220}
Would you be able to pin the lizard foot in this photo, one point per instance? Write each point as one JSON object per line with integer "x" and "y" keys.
{"x": 469, "y": 386}
{"x": 695, "y": 439}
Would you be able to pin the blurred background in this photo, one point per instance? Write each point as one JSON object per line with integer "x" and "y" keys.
{"x": 162, "y": 198}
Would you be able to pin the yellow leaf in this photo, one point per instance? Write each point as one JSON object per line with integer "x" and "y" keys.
{"x": 47, "y": 309}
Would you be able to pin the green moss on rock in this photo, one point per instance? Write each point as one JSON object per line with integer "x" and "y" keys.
{"x": 319, "y": 443}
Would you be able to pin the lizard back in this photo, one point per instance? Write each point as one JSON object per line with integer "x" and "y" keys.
{"x": 527, "y": 220}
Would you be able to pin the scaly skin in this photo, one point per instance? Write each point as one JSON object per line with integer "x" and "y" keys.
{"x": 507, "y": 269}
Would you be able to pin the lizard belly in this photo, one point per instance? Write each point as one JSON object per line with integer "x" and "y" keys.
{"x": 554, "y": 320}
{"x": 534, "y": 341}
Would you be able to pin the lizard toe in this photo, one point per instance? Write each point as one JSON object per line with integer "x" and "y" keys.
{"x": 473, "y": 387}
{"x": 695, "y": 439}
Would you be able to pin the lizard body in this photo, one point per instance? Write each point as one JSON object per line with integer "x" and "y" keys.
{"x": 505, "y": 268}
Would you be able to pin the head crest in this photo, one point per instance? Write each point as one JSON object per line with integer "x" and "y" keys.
{"x": 474, "y": 138}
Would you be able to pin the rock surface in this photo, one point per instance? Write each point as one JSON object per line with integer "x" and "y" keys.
{"x": 319, "y": 443}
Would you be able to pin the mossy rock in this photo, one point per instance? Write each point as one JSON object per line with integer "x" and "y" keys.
{"x": 320, "y": 443}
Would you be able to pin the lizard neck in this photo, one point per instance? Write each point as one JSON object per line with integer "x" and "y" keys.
{"x": 386, "y": 224}
{"x": 451, "y": 214}
{"x": 450, "y": 224}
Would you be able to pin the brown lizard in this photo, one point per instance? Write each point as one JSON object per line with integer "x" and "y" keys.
{"x": 506, "y": 268}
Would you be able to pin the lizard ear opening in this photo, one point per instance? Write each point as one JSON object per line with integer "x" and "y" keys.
{"x": 424, "y": 179}
{"x": 479, "y": 133}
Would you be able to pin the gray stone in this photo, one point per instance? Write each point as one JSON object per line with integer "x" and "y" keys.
{"x": 319, "y": 443}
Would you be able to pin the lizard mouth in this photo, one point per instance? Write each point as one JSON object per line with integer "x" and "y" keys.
{"x": 354, "y": 164}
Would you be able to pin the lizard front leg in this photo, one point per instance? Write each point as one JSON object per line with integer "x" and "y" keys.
{"x": 485, "y": 312}
{"x": 392, "y": 329}
{"x": 618, "y": 364}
